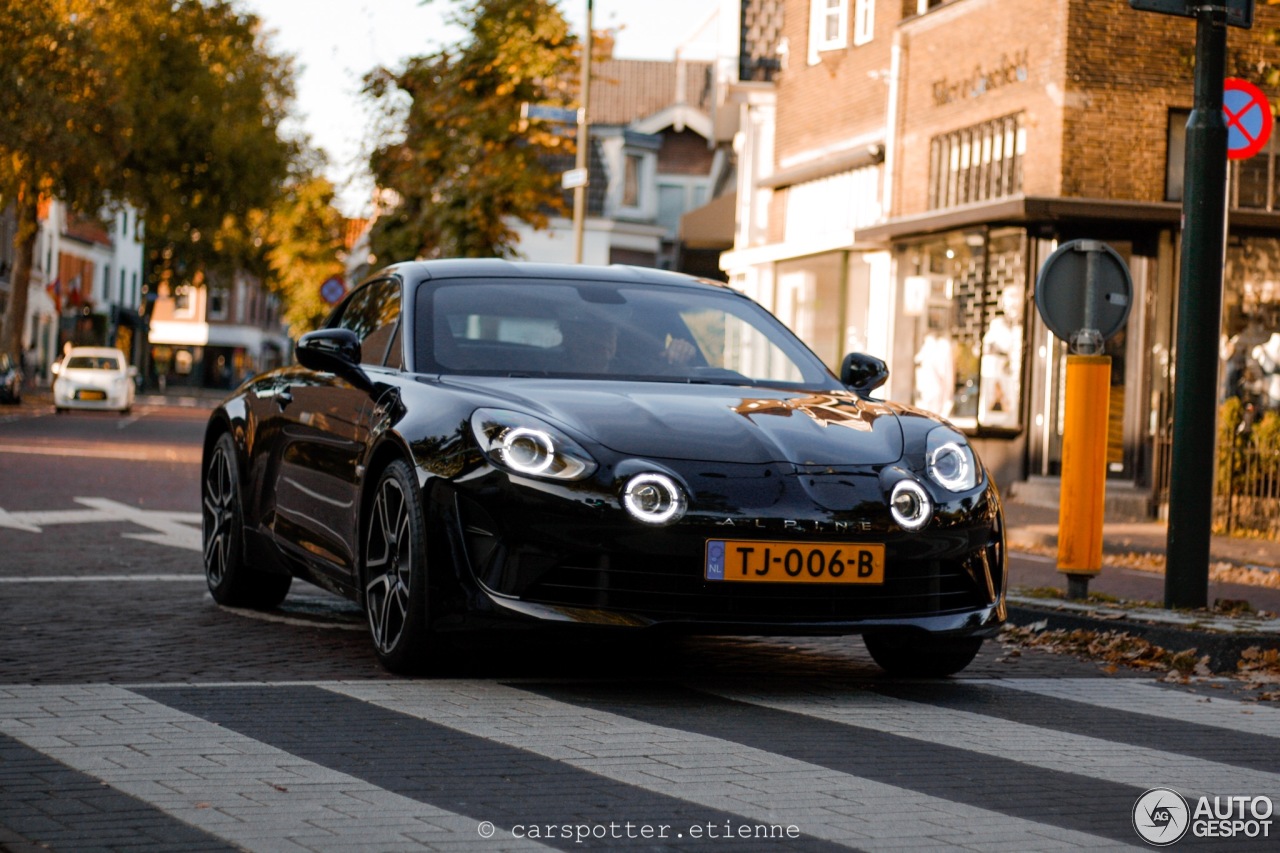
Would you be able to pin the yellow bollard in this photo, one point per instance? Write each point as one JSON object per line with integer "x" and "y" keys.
{"x": 1084, "y": 470}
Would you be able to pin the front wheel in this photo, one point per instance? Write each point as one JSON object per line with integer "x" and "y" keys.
{"x": 231, "y": 581}
{"x": 395, "y": 571}
{"x": 922, "y": 656}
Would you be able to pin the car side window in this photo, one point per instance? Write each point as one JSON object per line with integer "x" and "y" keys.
{"x": 373, "y": 313}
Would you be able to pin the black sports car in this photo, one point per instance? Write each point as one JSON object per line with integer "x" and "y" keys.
{"x": 468, "y": 440}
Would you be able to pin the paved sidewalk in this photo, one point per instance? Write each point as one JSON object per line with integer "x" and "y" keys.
{"x": 1244, "y": 575}
{"x": 1133, "y": 556}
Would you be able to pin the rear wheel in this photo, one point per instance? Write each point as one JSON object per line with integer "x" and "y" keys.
{"x": 922, "y": 656}
{"x": 395, "y": 571}
{"x": 231, "y": 581}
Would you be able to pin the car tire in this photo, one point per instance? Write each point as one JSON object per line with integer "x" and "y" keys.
{"x": 922, "y": 656}
{"x": 394, "y": 571}
{"x": 231, "y": 580}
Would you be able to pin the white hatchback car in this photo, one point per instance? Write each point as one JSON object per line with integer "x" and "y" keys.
{"x": 94, "y": 378}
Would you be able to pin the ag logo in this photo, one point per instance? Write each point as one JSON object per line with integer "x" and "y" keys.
{"x": 1161, "y": 816}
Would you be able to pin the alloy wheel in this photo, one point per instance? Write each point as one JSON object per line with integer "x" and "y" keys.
{"x": 218, "y": 518}
{"x": 389, "y": 562}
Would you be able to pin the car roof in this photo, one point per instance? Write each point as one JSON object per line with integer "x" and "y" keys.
{"x": 95, "y": 351}
{"x": 499, "y": 268}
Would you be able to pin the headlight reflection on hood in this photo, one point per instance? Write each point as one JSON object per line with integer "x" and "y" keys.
{"x": 529, "y": 446}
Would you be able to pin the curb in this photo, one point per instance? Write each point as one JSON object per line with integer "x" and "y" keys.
{"x": 1223, "y": 649}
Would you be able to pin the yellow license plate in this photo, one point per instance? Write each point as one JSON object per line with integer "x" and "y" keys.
{"x": 91, "y": 395}
{"x": 793, "y": 562}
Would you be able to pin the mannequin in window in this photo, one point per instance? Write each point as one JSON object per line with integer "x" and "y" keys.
{"x": 935, "y": 368}
{"x": 1241, "y": 377}
{"x": 1002, "y": 361}
{"x": 1267, "y": 357}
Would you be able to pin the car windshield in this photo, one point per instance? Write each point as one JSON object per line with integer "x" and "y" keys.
{"x": 607, "y": 330}
{"x": 93, "y": 362}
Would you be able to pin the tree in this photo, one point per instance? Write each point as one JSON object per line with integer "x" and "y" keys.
{"x": 465, "y": 164}
{"x": 304, "y": 233}
{"x": 206, "y": 100}
{"x": 59, "y": 128}
{"x": 171, "y": 105}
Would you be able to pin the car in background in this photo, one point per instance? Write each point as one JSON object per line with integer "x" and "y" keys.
{"x": 10, "y": 380}
{"x": 473, "y": 442}
{"x": 95, "y": 378}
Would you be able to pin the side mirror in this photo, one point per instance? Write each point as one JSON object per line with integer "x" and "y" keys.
{"x": 335, "y": 351}
{"x": 863, "y": 373}
{"x": 330, "y": 351}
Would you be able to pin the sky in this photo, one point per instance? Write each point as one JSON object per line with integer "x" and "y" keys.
{"x": 336, "y": 41}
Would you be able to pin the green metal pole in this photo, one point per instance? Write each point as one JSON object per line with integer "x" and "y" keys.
{"x": 1186, "y": 582}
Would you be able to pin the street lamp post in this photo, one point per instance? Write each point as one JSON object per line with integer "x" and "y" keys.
{"x": 584, "y": 143}
{"x": 1199, "y": 318}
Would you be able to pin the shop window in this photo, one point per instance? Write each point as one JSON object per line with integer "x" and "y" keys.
{"x": 968, "y": 294}
{"x": 977, "y": 163}
{"x": 1251, "y": 323}
{"x": 828, "y": 26}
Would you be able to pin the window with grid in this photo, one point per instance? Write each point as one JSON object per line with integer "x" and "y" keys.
{"x": 977, "y": 163}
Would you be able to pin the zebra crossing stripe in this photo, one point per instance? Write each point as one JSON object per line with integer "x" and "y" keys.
{"x": 35, "y": 790}
{"x": 1124, "y": 728}
{"x": 718, "y": 774}
{"x": 1109, "y": 759}
{"x": 248, "y": 793}
{"x": 1140, "y": 696}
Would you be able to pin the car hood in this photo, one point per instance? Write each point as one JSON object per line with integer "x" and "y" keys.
{"x": 715, "y": 423}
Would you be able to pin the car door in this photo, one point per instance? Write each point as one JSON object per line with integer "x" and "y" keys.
{"x": 325, "y": 435}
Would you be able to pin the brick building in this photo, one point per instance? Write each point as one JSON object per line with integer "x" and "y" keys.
{"x": 913, "y": 163}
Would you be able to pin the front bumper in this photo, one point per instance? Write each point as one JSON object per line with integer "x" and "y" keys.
{"x": 537, "y": 556}
{"x": 80, "y": 397}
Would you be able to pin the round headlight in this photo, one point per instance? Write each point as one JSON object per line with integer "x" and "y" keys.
{"x": 654, "y": 499}
{"x": 528, "y": 451}
{"x": 950, "y": 461}
{"x": 910, "y": 506}
{"x": 529, "y": 446}
{"x": 951, "y": 467}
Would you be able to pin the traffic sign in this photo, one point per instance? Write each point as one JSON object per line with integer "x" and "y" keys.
{"x": 1083, "y": 292}
{"x": 546, "y": 112}
{"x": 573, "y": 178}
{"x": 333, "y": 289}
{"x": 1249, "y": 118}
{"x": 1239, "y": 12}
